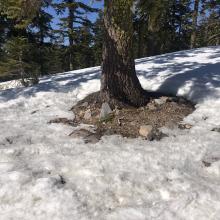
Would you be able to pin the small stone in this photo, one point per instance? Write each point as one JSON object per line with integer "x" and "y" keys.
{"x": 109, "y": 132}
{"x": 88, "y": 114}
{"x": 146, "y": 131}
{"x": 88, "y": 136}
{"x": 80, "y": 133}
{"x": 216, "y": 129}
{"x": 206, "y": 164}
{"x": 85, "y": 104}
{"x": 81, "y": 113}
{"x": 151, "y": 107}
{"x": 184, "y": 126}
{"x": 133, "y": 123}
{"x": 117, "y": 111}
{"x": 160, "y": 101}
{"x": 164, "y": 98}
{"x": 105, "y": 110}
{"x": 171, "y": 125}
{"x": 188, "y": 126}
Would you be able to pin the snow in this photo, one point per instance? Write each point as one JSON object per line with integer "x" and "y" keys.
{"x": 10, "y": 84}
{"x": 45, "y": 174}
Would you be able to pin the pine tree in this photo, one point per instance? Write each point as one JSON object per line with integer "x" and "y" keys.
{"x": 41, "y": 24}
{"x": 70, "y": 23}
{"x": 17, "y": 62}
{"x": 162, "y": 26}
{"x": 194, "y": 23}
{"x": 98, "y": 31}
{"x": 17, "y": 48}
{"x": 84, "y": 56}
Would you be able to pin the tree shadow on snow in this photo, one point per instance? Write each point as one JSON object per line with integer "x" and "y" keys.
{"x": 64, "y": 83}
{"x": 200, "y": 79}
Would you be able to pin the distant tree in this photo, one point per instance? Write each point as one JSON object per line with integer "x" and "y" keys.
{"x": 70, "y": 23}
{"x": 194, "y": 23}
{"x": 84, "y": 56}
{"x": 17, "y": 61}
{"x": 41, "y": 26}
{"x": 98, "y": 32}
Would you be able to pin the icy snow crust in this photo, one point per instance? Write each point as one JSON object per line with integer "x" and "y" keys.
{"x": 46, "y": 175}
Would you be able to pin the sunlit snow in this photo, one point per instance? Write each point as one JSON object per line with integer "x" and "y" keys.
{"x": 47, "y": 175}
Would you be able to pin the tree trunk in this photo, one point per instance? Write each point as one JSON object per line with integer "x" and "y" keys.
{"x": 70, "y": 31}
{"x": 119, "y": 81}
{"x": 194, "y": 23}
{"x": 141, "y": 39}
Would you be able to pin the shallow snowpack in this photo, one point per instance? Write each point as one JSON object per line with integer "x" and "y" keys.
{"x": 47, "y": 175}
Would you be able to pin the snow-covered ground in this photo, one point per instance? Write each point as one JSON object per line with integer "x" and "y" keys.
{"x": 10, "y": 84}
{"x": 47, "y": 175}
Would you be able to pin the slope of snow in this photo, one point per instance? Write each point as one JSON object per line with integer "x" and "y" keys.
{"x": 47, "y": 175}
{"x": 10, "y": 84}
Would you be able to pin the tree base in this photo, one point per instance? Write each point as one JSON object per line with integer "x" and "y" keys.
{"x": 126, "y": 120}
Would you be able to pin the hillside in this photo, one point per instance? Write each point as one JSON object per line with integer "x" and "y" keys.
{"x": 45, "y": 174}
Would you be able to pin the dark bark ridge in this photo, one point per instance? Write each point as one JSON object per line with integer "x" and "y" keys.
{"x": 119, "y": 81}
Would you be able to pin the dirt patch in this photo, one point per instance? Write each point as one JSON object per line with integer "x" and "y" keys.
{"x": 159, "y": 112}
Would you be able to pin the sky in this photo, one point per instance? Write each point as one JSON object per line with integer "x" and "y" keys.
{"x": 92, "y": 16}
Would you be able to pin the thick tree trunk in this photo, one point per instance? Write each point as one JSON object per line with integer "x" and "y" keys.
{"x": 141, "y": 39}
{"x": 119, "y": 81}
{"x": 194, "y": 23}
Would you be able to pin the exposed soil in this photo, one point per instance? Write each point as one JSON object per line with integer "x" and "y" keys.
{"x": 159, "y": 112}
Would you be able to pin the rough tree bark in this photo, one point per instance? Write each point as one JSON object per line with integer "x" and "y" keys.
{"x": 194, "y": 23}
{"x": 119, "y": 81}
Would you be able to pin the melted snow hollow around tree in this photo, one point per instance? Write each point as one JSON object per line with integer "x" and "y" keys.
{"x": 45, "y": 174}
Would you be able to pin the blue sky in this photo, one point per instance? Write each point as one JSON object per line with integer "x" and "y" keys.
{"x": 92, "y": 16}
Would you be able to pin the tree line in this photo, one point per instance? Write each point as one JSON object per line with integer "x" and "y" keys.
{"x": 32, "y": 46}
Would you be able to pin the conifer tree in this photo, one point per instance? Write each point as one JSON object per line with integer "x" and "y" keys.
{"x": 75, "y": 17}
{"x": 194, "y": 23}
{"x": 17, "y": 62}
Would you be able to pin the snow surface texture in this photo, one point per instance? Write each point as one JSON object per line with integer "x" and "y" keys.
{"x": 10, "y": 84}
{"x": 47, "y": 175}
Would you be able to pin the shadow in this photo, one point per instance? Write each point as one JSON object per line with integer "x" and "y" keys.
{"x": 168, "y": 73}
{"x": 202, "y": 82}
{"x": 63, "y": 82}
{"x": 176, "y": 73}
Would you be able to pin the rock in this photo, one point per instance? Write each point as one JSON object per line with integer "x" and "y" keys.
{"x": 117, "y": 111}
{"x": 216, "y": 129}
{"x": 171, "y": 125}
{"x": 85, "y": 104}
{"x": 184, "y": 126}
{"x": 109, "y": 132}
{"x": 88, "y": 114}
{"x": 160, "y": 101}
{"x": 133, "y": 123}
{"x": 172, "y": 99}
{"x": 92, "y": 138}
{"x": 206, "y": 164}
{"x": 164, "y": 98}
{"x": 88, "y": 136}
{"x": 80, "y": 133}
{"x": 105, "y": 110}
{"x": 151, "y": 107}
{"x": 146, "y": 131}
{"x": 81, "y": 113}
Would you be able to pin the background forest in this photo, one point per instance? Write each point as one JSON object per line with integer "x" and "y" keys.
{"x": 45, "y": 37}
